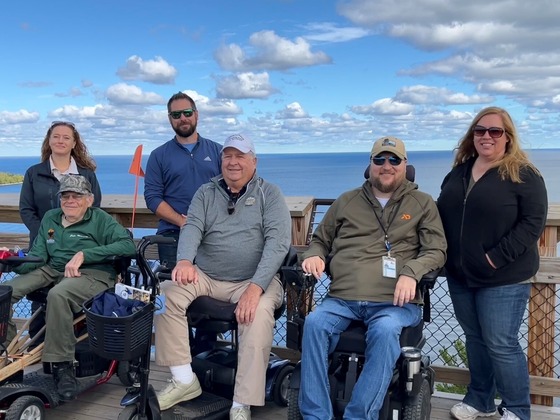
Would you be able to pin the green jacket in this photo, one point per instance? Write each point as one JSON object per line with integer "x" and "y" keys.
{"x": 351, "y": 233}
{"x": 97, "y": 235}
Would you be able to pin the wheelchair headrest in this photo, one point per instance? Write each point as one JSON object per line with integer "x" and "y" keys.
{"x": 410, "y": 172}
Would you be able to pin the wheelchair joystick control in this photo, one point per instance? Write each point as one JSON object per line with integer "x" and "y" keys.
{"x": 412, "y": 357}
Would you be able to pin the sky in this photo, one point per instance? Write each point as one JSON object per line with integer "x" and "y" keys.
{"x": 296, "y": 76}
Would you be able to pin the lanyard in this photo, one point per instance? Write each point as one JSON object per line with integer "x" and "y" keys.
{"x": 386, "y": 230}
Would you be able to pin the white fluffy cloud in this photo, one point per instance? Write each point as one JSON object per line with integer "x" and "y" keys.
{"x": 124, "y": 94}
{"x": 245, "y": 86}
{"x": 156, "y": 71}
{"x": 269, "y": 51}
{"x": 503, "y": 47}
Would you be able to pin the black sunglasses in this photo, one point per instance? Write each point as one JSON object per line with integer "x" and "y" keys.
{"x": 186, "y": 112}
{"x": 494, "y": 132}
{"x": 380, "y": 160}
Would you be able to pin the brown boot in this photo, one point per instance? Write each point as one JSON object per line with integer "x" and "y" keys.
{"x": 65, "y": 380}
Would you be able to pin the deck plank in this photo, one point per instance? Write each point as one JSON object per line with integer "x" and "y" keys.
{"x": 102, "y": 402}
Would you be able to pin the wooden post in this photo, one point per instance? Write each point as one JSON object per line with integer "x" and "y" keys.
{"x": 540, "y": 350}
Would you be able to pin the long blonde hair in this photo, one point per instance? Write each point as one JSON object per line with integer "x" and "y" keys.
{"x": 514, "y": 158}
{"x": 79, "y": 152}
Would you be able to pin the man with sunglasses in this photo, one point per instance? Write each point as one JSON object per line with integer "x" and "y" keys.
{"x": 74, "y": 242}
{"x": 239, "y": 230}
{"x": 381, "y": 239}
{"x": 176, "y": 169}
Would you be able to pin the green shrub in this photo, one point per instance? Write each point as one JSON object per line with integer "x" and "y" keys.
{"x": 6, "y": 178}
{"x": 458, "y": 359}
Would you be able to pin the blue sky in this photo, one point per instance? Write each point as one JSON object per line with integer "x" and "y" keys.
{"x": 295, "y": 75}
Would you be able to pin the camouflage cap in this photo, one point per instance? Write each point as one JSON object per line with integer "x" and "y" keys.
{"x": 75, "y": 183}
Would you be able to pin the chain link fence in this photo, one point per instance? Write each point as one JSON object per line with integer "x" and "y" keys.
{"x": 541, "y": 341}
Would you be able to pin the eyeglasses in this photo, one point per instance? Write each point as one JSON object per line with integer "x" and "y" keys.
{"x": 70, "y": 196}
{"x": 230, "y": 207}
{"x": 380, "y": 160}
{"x": 494, "y": 132}
{"x": 186, "y": 112}
{"x": 68, "y": 123}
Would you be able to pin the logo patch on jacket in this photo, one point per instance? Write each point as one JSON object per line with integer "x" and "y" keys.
{"x": 406, "y": 216}
{"x": 50, "y": 239}
{"x": 78, "y": 235}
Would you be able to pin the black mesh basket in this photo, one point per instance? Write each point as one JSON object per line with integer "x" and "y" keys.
{"x": 120, "y": 338}
{"x": 5, "y": 306}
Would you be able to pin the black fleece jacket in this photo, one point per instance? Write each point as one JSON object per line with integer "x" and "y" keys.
{"x": 500, "y": 218}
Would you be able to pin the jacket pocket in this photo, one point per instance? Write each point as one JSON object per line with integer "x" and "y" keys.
{"x": 476, "y": 264}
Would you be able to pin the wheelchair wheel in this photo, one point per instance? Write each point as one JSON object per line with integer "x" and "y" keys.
{"x": 26, "y": 407}
{"x": 127, "y": 372}
{"x": 130, "y": 412}
{"x": 293, "y": 406}
{"x": 280, "y": 390}
{"x": 419, "y": 406}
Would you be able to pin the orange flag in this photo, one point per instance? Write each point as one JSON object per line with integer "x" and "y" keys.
{"x": 136, "y": 169}
{"x": 136, "y": 166}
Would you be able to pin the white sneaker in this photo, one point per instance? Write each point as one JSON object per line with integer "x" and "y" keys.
{"x": 464, "y": 411}
{"x": 240, "y": 413}
{"x": 508, "y": 415}
{"x": 176, "y": 392}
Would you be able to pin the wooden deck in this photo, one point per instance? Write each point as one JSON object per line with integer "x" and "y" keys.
{"x": 102, "y": 402}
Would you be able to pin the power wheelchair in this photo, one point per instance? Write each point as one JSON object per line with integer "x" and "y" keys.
{"x": 27, "y": 395}
{"x": 216, "y": 367}
{"x": 412, "y": 383}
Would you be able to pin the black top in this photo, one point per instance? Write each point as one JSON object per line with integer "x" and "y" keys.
{"x": 500, "y": 218}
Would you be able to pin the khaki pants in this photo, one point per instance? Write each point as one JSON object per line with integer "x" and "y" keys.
{"x": 255, "y": 339}
{"x": 63, "y": 301}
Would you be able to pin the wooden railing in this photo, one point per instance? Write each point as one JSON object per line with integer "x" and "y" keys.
{"x": 120, "y": 207}
{"x": 542, "y": 306}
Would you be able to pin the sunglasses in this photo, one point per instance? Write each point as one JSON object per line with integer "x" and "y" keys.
{"x": 380, "y": 160}
{"x": 69, "y": 124}
{"x": 494, "y": 132}
{"x": 186, "y": 112}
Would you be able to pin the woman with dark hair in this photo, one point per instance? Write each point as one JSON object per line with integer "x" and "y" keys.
{"x": 493, "y": 205}
{"x": 62, "y": 152}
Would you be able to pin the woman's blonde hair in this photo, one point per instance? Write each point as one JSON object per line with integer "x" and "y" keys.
{"x": 79, "y": 152}
{"x": 514, "y": 158}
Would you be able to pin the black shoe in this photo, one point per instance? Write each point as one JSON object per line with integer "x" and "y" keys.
{"x": 65, "y": 380}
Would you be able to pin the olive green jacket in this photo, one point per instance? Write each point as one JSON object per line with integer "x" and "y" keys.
{"x": 351, "y": 233}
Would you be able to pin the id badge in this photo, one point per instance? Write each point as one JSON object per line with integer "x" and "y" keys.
{"x": 389, "y": 267}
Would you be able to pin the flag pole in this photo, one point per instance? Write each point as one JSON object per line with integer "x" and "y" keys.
{"x": 136, "y": 169}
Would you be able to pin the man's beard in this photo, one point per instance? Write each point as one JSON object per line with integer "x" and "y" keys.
{"x": 185, "y": 133}
{"x": 386, "y": 188}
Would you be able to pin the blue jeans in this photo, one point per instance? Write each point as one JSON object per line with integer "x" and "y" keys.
{"x": 321, "y": 333}
{"x": 491, "y": 318}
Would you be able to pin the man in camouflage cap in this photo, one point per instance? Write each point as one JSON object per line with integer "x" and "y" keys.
{"x": 74, "y": 242}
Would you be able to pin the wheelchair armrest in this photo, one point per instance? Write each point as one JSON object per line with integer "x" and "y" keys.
{"x": 159, "y": 239}
{"x": 163, "y": 275}
{"x": 294, "y": 276}
{"x": 429, "y": 279}
{"x": 426, "y": 283}
{"x": 15, "y": 260}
